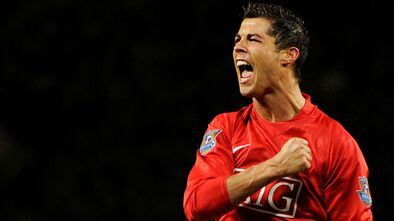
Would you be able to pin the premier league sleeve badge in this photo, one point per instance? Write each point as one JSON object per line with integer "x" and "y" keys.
{"x": 364, "y": 193}
{"x": 209, "y": 141}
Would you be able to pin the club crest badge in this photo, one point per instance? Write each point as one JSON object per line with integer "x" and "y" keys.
{"x": 364, "y": 193}
{"x": 209, "y": 141}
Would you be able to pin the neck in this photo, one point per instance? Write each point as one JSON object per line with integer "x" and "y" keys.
{"x": 281, "y": 104}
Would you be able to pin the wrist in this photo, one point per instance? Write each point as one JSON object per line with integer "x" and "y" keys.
{"x": 274, "y": 169}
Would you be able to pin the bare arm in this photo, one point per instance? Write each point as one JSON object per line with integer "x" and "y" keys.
{"x": 294, "y": 157}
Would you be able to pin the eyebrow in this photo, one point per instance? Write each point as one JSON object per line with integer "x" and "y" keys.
{"x": 249, "y": 35}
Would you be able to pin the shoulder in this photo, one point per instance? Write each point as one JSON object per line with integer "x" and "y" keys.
{"x": 326, "y": 126}
{"x": 336, "y": 148}
{"x": 334, "y": 142}
{"x": 331, "y": 139}
{"x": 331, "y": 127}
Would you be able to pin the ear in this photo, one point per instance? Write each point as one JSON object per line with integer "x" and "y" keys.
{"x": 289, "y": 55}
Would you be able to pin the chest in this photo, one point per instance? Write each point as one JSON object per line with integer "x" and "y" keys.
{"x": 253, "y": 144}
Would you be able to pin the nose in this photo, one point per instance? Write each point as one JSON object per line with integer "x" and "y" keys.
{"x": 240, "y": 46}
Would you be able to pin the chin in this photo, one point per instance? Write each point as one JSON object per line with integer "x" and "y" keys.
{"x": 246, "y": 92}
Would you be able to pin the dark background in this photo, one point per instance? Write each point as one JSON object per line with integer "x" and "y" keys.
{"x": 103, "y": 105}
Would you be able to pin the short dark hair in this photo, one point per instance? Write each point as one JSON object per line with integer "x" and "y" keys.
{"x": 288, "y": 28}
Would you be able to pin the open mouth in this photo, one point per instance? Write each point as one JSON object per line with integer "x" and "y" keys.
{"x": 245, "y": 70}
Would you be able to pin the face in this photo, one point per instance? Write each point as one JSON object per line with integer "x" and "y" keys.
{"x": 256, "y": 58}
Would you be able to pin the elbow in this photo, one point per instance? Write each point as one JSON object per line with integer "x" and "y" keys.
{"x": 198, "y": 211}
{"x": 192, "y": 212}
{"x": 206, "y": 201}
{"x": 191, "y": 215}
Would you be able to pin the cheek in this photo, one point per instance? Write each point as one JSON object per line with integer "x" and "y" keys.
{"x": 265, "y": 61}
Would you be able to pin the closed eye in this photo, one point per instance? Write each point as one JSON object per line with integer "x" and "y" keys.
{"x": 249, "y": 37}
{"x": 254, "y": 37}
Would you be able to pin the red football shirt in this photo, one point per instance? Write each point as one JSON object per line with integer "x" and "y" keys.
{"x": 335, "y": 187}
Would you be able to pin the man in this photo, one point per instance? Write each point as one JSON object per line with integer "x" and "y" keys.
{"x": 280, "y": 157}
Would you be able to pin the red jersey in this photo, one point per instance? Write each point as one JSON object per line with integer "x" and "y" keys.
{"x": 335, "y": 187}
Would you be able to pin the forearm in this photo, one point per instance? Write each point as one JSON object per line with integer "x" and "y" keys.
{"x": 241, "y": 185}
{"x": 294, "y": 157}
{"x": 216, "y": 196}
{"x": 207, "y": 200}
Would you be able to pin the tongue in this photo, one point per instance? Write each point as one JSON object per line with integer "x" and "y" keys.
{"x": 246, "y": 74}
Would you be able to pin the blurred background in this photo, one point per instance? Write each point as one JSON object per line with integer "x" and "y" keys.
{"x": 103, "y": 104}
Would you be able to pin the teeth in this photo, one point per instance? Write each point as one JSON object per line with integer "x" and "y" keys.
{"x": 239, "y": 63}
{"x": 246, "y": 74}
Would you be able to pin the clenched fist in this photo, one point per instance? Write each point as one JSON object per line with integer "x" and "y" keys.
{"x": 294, "y": 157}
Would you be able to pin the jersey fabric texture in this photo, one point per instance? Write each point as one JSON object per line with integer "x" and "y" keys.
{"x": 335, "y": 187}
